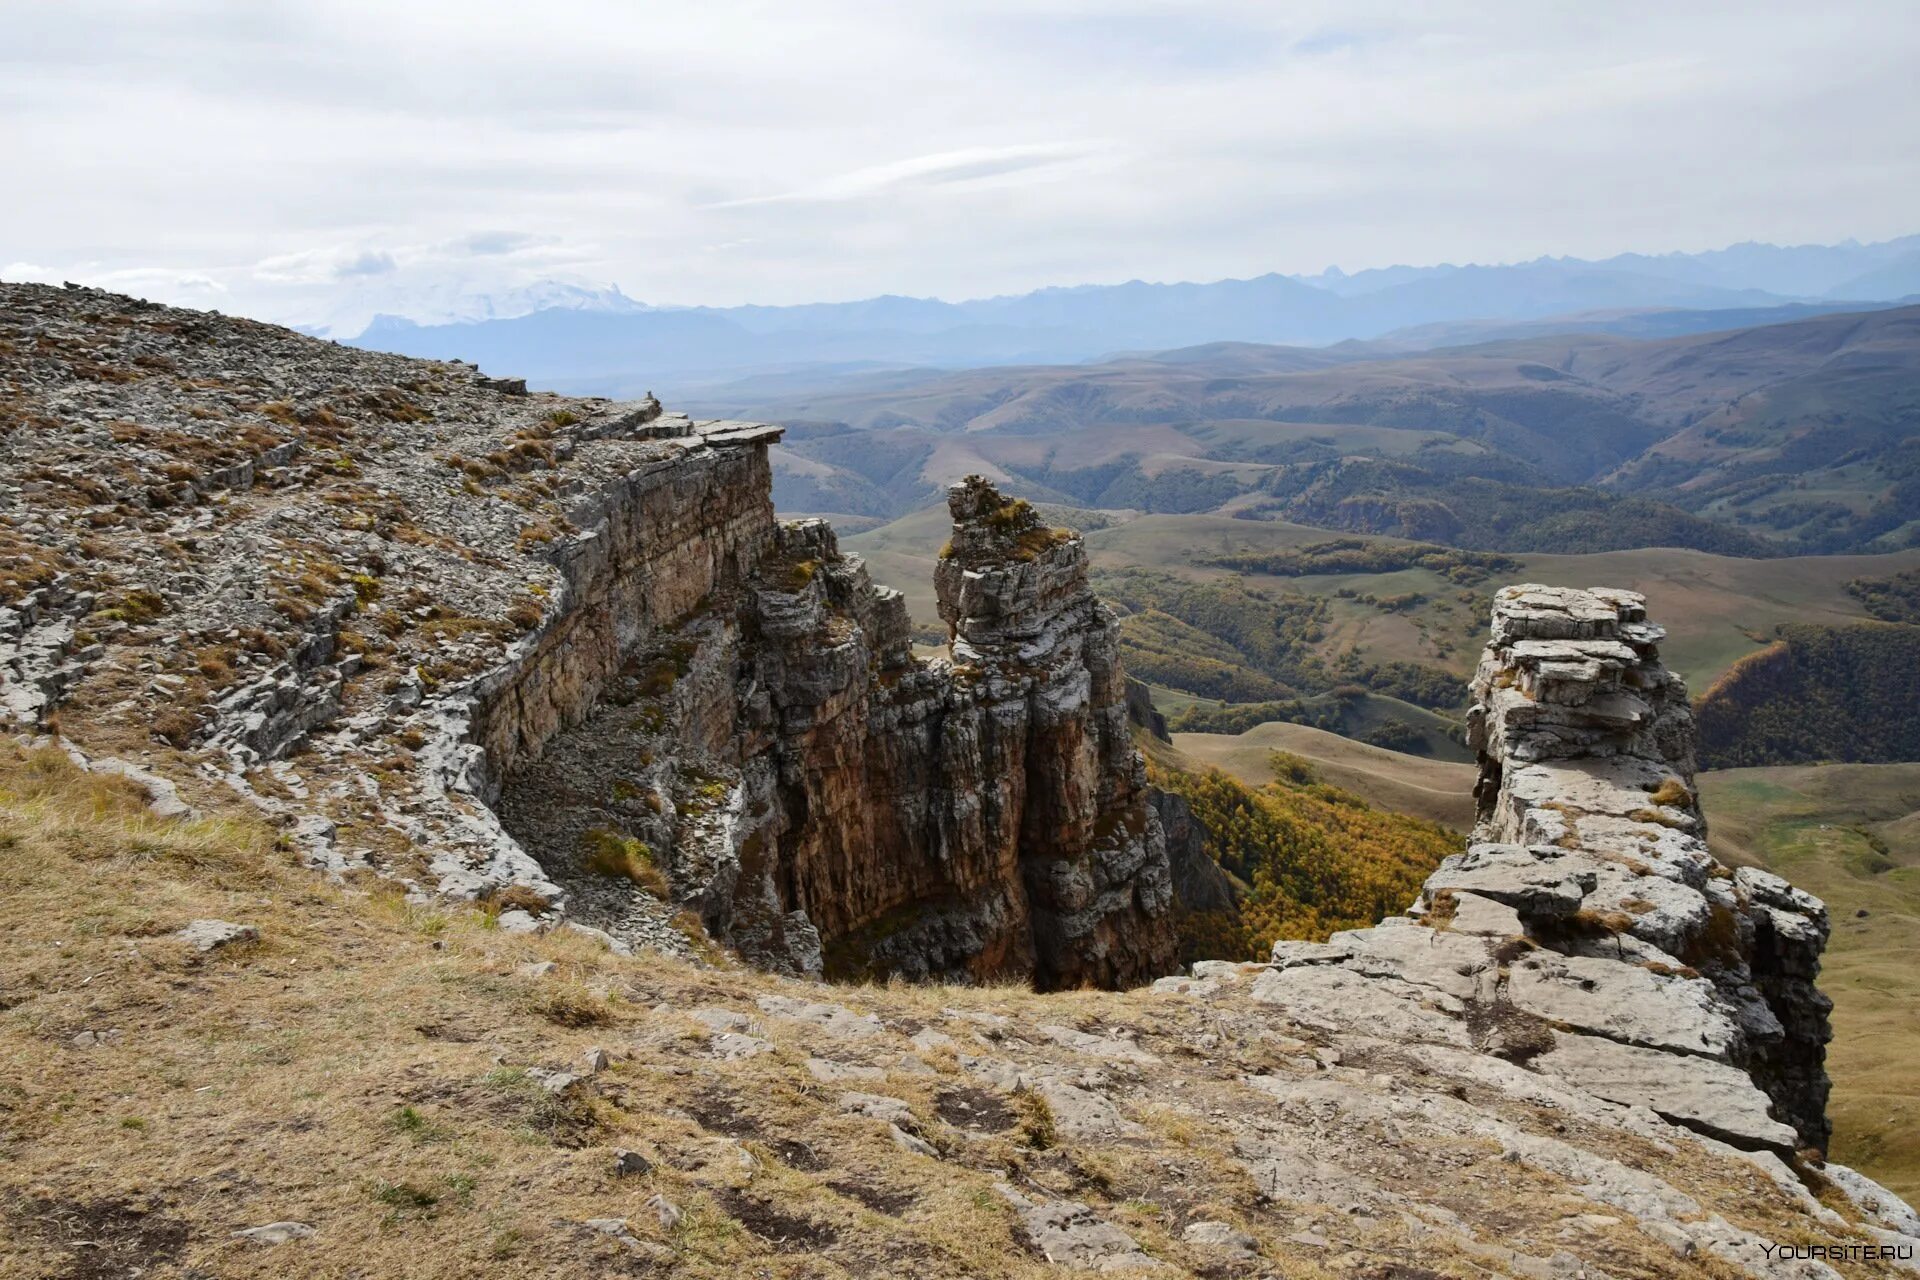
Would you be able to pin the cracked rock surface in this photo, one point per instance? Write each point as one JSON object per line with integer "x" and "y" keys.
{"x": 1586, "y": 932}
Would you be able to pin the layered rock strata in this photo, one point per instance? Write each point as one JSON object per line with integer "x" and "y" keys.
{"x": 390, "y": 601}
{"x": 394, "y": 601}
{"x": 826, "y": 803}
{"x": 1586, "y": 932}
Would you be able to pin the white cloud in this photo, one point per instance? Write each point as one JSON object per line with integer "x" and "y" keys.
{"x": 322, "y": 266}
{"x": 322, "y": 159}
{"x": 970, "y": 166}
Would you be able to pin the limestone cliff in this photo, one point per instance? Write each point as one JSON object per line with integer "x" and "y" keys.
{"x": 1586, "y": 930}
{"x": 559, "y": 654}
{"x": 828, "y": 803}
{"x": 556, "y": 656}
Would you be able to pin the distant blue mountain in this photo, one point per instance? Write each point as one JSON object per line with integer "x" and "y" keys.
{"x": 675, "y": 349}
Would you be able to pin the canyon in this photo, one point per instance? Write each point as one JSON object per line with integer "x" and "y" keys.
{"x": 556, "y": 658}
{"x": 543, "y": 666}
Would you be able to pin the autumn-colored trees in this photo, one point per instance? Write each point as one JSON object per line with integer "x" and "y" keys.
{"x": 1312, "y": 859}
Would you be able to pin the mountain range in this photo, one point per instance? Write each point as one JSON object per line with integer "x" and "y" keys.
{"x": 612, "y": 345}
{"x": 1794, "y": 437}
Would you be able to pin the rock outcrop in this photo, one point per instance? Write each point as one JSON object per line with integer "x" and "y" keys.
{"x": 559, "y": 654}
{"x": 1586, "y": 931}
{"x": 825, "y": 802}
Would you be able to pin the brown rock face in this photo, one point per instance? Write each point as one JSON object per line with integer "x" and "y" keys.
{"x": 1093, "y": 858}
{"x": 828, "y": 804}
{"x": 415, "y": 612}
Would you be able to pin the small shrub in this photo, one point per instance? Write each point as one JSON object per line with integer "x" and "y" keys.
{"x": 519, "y": 897}
{"x": 136, "y": 606}
{"x": 1672, "y": 792}
{"x": 570, "y": 1004}
{"x": 176, "y": 727}
{"x": 1037, "y": 1126}
{"x": 608, "y": 853}
{"x": 1293, "y": 770}
{"x": 1607, "y": 922}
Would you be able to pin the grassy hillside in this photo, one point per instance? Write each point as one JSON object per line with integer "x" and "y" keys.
{"x": 432, "y": 1097}
{"x": 1818, "y": 693}
{"x": 1850, "y": 834}
{"x": 1717, "y": 609}
{"x": 1275, "y": 529}
{"x": 1436, "y": 790}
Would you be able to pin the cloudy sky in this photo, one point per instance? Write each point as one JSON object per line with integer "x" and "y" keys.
{"x": 312, "y": 162}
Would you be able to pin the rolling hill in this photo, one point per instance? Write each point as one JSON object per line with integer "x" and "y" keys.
{"x": 1768, "y": 440}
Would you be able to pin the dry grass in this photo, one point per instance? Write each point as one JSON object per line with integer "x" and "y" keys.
{"x": 363, "y": 1068}
{"x": 1672, "y": 792}
{"x": 375, "y": 1068}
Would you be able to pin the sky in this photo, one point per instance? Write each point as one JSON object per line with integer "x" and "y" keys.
{"x": 314, "y": 163}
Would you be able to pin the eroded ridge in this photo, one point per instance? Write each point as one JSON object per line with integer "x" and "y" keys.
{"x": 1586, "y": 931}
{"x": 395, "y": 601}
{"x": 827, "y": 803}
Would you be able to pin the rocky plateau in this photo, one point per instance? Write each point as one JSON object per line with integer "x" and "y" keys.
{"x": 558, "y": 658}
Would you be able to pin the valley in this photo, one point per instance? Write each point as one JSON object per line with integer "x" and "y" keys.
{"x": 1308, "y": 535}
{"x": 1717, "y": 609}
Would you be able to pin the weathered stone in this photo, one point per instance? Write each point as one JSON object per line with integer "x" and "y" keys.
{"x": 909, "y": 1143}
{"x": 275, "y": 1233}
{"x": 1120, "y": 1047}
{"x": 1588, "y": 900}
{"x": 1473, "y": 913}
{"x": 1591, "y": 772}
{"x": 734, "y": 1045}
{"x": 836, "y": 1021}
{"x": 829, "y": 1072}
{"x": 665, "y": 1211}
{"x": 211, "y": 935}
{"x": 1069, "y": 1234}
{"x": 631, "y": 1164}
{"x": 1623, "y": 1002}
{"x": 1715, "y": 1098}
{"x": 877, "y": 1107}
{"x": 1224, "y": 1238}
{"x": 1199, "y": 883}
{"x": 1879, "y": 1205}
{"x": 1081, "y": 1113}
{"x": 716, "y": 1019}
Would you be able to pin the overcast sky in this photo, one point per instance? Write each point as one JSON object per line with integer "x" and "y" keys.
{"x": 306, "y": 161}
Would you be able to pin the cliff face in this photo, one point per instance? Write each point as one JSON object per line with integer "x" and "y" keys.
{"x": 1587, "y": 931}
{"x": 1587, "y": 745}
{"x": 559, "y": 654}
{"x": 829, "y": 804}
